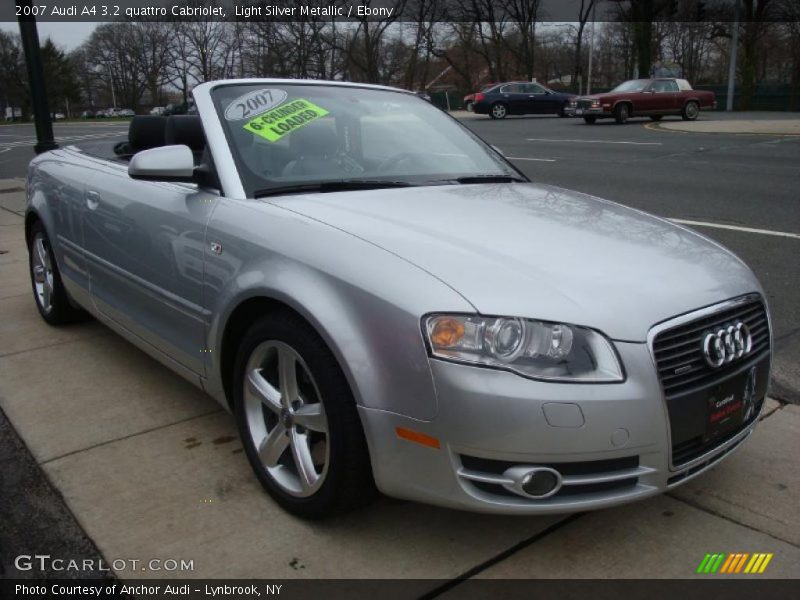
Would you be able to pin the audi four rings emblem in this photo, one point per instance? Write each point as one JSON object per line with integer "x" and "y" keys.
{"x": 727, "y": 344}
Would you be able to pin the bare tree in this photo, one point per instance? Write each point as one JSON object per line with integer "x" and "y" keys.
{"x": 584, "y": 12}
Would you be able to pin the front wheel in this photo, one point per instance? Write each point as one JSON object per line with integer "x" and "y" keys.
{"x": 621, "y": 113}
{"x": 655, "y": 117}
{"x": 690, "y": 111}
{"x": 298, "y": 421}
{"x": 590, "y": 120}
{"x": 498, "y": 110}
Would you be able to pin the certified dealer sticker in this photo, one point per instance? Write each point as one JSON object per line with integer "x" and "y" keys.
{"x": 254, "y": 103}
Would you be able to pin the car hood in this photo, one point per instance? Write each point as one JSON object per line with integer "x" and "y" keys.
{"x": 541, "y": 252}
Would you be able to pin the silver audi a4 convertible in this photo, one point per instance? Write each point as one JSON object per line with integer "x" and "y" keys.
{"x": 385, "y": 303}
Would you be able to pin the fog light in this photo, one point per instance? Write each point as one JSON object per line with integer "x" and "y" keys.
{"x": 540, "y": 483}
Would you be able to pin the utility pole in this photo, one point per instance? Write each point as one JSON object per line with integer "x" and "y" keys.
{"x": 33, "y": 59}
{"x": 591, "y": 51}
{"x": 732, "y": 58}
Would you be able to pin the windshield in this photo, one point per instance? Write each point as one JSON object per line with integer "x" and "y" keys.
{"x": 284, "y": 135}
{"x": 634, "y": 85}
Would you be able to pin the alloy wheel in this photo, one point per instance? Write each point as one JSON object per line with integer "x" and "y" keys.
{"x": 499, "y": 111}
{"x": 286, "y": 418}
{"x": 42, "y": 273}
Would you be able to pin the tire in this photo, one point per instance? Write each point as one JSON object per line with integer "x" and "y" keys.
{"x": 621, "y": 113}
{"x": 562, "y": 112}
{"x": 498, "y": 110}
{"x": 690, "y": 111}
{"x": 49, "y": 294}
{"x": 656, "y": 117}
{"x": 319, "y": 428}
{"x": 468, "y": 107}
{"x": 590, "y": 120}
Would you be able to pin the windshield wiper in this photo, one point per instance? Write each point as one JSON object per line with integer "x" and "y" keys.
{"x": 489, "y": 179}
{"x": 331, "y": 186}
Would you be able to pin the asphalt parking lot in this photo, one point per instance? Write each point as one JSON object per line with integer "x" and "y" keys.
{"x": 149, "y": 467}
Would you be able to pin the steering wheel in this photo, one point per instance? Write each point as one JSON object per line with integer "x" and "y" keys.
{"x": 393, "y": 161}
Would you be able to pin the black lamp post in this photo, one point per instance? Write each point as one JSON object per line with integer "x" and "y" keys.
{"x": 33, "y": 58}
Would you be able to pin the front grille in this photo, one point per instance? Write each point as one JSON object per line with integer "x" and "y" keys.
{"x": 679, "y": 353}
{"x": 584, "y": 104}
{"x": 688, "y": 381}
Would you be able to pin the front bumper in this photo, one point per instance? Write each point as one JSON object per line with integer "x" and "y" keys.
{"x": 575, "y": 111}
{"x": 610, "y": 442}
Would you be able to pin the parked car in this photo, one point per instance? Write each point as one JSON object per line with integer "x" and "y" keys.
{"x": 418, "y": 317}
{"x": 654, "y": 98}
{"x": 469, "y": 99}
{"x": 157, "y": 110}
{"x": 520, "y": 98}
{"x": 125, "y": 112}
{"x": 59, "y": 116}
{"x": 87, "y": 114}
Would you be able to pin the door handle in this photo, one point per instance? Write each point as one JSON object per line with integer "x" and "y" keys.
{"x": 92, "y": 200}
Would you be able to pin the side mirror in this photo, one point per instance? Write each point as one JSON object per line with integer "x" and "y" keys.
{"x": 166, "y": 163}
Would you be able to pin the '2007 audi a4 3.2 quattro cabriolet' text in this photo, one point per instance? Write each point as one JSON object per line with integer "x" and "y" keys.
{"x": 385, "y": 303}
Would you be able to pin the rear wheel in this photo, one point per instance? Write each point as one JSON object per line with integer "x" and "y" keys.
{"x": 590, "y": 120}
{"x": 298, "y": 421}
{"x": 655, "y": 117}
{"x": 498, "y": 110}
{"x": 690, "y": 111}
{"x": 48, "y": 290}
{"x": 621, "y": 113}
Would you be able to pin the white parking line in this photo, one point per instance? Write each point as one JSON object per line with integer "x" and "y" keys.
{"x": 536, "y": 159}
{"x": 66, "y": 138}
{"x": 595, "y": 142}
{"x": 795, "y": 236}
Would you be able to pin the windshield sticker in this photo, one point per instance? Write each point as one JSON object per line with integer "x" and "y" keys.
{"x": 254, "y": 103}
{"x": 276, "y": 123}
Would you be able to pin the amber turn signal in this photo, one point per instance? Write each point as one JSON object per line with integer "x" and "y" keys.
{"x": 416, "y": 436}
{"x": 446, "y": 332}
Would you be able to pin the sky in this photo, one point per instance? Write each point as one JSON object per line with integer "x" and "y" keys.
{"x": 67, "y": 36}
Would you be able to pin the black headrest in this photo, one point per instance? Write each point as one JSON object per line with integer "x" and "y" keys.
{"x": 317, "y": 139}
{"x": 146, "y": 132}
{"x": 186, "y": 130}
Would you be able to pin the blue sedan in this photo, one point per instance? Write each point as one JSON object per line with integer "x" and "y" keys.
{"x": 521, "y": 98}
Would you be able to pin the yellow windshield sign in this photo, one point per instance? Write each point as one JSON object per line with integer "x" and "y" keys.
{"x": 278, "y": 122}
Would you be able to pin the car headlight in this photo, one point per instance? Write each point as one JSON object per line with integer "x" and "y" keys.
{"x": 536, "y": 349}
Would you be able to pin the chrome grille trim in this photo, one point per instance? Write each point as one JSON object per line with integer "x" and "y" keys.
{"x": 676, "y": 346}
{"x": 688, "y": 318}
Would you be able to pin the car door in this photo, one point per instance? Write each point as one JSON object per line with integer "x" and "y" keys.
{"x": 144, "y": 249}
{"x": 663, "y": 96}
{"x": 515, "y": 98}
{"x": 539, "y": 101}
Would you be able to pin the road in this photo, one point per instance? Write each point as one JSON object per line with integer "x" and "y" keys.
{"x": 732, "y": 184}
{"x": 739, "y": 182}
{"x": 16, "y": 141}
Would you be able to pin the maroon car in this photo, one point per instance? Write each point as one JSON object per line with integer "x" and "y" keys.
{"x": 652, "y": 98}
